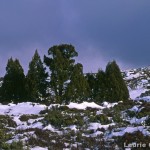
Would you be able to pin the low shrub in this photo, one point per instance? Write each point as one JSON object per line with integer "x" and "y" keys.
{"x": 54, "y": 117}
{"x": 27, "y": 117}
{"x": 102, "y": 118}
{"x": 135, "y": 137}
{"x": 7, "y": 121}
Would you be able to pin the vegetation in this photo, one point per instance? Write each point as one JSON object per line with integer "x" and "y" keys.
{"x": 72, "y": 129}
{"x": 116, "y": 87}
{"x": 61, "y": 63}
{"x": 100, "y": 86}
{"x": 13, "y": 86}
{"x": 78, "y": 88}
{"x": 108, "y": 85}
{"x": 66, "y": 82}
{"x": 36, "y": 79}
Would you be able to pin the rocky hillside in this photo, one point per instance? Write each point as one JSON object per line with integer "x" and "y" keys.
{"x": 138, "y": 81}
{"x": 84, "y": 126}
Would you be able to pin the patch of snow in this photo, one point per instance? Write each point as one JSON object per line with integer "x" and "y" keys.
{"x": 66, "y": 144}
{"x": 4, "y": 109}
{"x": 99, "y": 112}
{"x": 127, "y": 148}
{"x": 136, "y": 93}
{"x": 54, "y": 105}
{"x": 129, "y": 130}
{"x": 95, "y": 126}
{"x": 17, "y": 120}
{"x": 135, "y": 120}
{"x": 84, "y": 105}
{"x": 131, "y": 76}
{"x": 109, "y": 105}
{"x": 39, "y": 148}
{"x": 134, "y": 108}
{"x": 73, "y": 127}
{"x": 21, "y": 108}
{"x": 144, "y": 81}
{"x": 49, "y": 127}
{"x": 145, "y": 98}
{"x": 34, "y": 120}
{"x": 37, "y": 125}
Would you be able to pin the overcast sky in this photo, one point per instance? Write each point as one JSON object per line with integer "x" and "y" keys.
{"x": 100, "y": 30}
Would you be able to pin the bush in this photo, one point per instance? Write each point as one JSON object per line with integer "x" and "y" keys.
{"x": 131, "y": 114}
{"x": 16, "y": 146}
{"x": 4, "y": 136}
{"x": 27, "y": 117}
{"x": 135, "y": 137}
{"x": 102, "y": 118}
{"x": 7, "y": 121}
{"x": 59, "y": 118}
{"x": 54, "y": 117}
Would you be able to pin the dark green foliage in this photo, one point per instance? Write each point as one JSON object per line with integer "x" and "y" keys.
{"x": 116, "y": 87}
{"x": 60, "y": 63}
{"x": 103, "y": 119}
{"x": 27, "y": 117}
{"x": 2, "y": 137}
{"x": 16, "y": 145}
{"x": 100, "y": 86}
{"x": 67, "y": 79}
{"x": 78, "y": 88}
{"x": 131, "y": 114}
{"x": 108, "y": 85}
{"x": 91, "y": 79}
{"x": 36, "y": 83}
{"x": 57, "y": 118}
{"x": 54, "y": 117}
{"x": 13, "y": 87}
{"x": 7, "y": 121}
{"x": 13, "y": 146}
{"x": 144, "y": 111}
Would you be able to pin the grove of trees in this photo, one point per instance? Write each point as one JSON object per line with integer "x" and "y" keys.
{"x": 64, "y": 82}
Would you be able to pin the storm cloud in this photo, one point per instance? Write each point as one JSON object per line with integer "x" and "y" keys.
{"x": 100, "y": 30}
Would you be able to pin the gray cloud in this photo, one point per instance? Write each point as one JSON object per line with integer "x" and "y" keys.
{"x": 100, "y": 30}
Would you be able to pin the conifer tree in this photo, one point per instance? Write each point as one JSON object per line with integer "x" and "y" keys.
{"x": 13, "y": 86}
{"x": 60, "y": 62}
{"x": 100, "y": 86}
{"x": 36, "y": 83}
{"x": 91, "y": 79}
{"x": 116, "y": 87}
{"x": 78, "y": 88}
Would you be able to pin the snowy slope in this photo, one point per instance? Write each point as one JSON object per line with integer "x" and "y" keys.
{"x": 107, "y": 127}
{"x": 138, "y": 81}
{"x": 106, "y": 123}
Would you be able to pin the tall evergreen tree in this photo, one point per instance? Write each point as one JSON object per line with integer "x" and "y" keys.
{"x": 78, "y": 88}
{"x": 60, "y": 63}
{"x": 13, "y": 86}
{"x": 36, "y": 83}
{"x": 100, "y": 86}
{"x": 91, "y": 79}
{"x": 116, "y": 87}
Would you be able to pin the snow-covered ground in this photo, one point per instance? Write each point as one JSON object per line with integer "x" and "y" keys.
{"x": 21, "y": 108}
{"x": 137, "y": 81}
{"x": 136, "y": 93}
